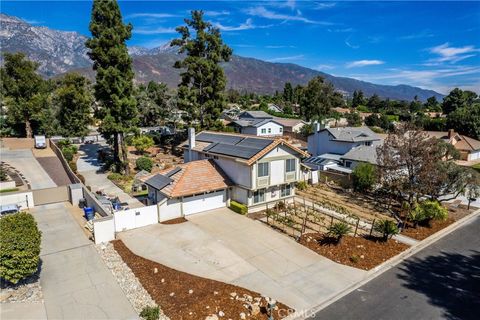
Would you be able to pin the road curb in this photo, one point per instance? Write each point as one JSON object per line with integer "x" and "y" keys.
{"x": 387, "y": 265}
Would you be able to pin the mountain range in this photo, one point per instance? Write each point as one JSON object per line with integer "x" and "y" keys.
{"x": 59, "y": 52}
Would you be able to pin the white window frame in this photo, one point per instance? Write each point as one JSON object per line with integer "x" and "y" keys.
{"x": 263, "y": 130}
{"x": 260, "y": 194}
{"x": 263, "y": 164}
{"x": 287, "y": 169}
{"x": 283, "y": 190}
{"x": 269, "y": 130}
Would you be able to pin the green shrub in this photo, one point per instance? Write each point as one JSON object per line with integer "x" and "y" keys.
{"x": 19, "y": 247}
{"x": 426, "y": 211}
{"x": 338, "y": 230}
{"x": 64, "y": 143}
{"x": 387, "y": 228}
{"x": 68, "y": 153}
{"x": 238, "y": 207}
{"x": 144, "y": 163}
{"x": 354, "y": 258}
{"x": 3, "y": 175}
{"x": 142, "y": 143}
{"x": 150, "y": 313}
{"x": 301, "y": 185}
{"x": 363, "y": 177}
{"x": 115, "y": 176}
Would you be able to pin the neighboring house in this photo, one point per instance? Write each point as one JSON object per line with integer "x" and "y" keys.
{"x": 261, "y": 169}
{"x": 469, "y": 148}
{"x": 340, "y": 140}
{"x": 188, "y": 188}
{"x": 257, "y": 123}
{"x": 231, "y": 114}
{"x": 291, "y": 125}
{"x": 258, "y": 127}
{"x": 342, "y": 149}
{"x": 275, "y": 108}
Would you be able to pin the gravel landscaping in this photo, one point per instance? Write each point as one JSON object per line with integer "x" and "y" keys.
{"x": 24, "y": 291}
{"x": 185, "y": 296}
{"x": 133, "y": 289}
{"x": 359, "y": 252}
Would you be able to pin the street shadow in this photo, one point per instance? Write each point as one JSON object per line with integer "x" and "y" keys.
{"x": 90, "y": 155}
{"x": 449, "y": 280}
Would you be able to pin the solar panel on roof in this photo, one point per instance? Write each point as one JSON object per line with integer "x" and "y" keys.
{"x": 234, "y": 150}
{"x": 158, "y": 181}
{"x": 254, "y": 143}
{"x": 171, "y": 173}
{"x": 210, "y": 146}
{"x": 220, "y": 138}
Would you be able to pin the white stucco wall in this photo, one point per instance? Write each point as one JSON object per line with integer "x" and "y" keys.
{"x": 104, "y": 229}
{"x": 23, "y": 199}
{"x": 474, "y": 156}
{"x": 135, "y": 218}
{"x": 170, "y": 209}
{"x": 275, "y": 129}
{"x": 238, "y": 172}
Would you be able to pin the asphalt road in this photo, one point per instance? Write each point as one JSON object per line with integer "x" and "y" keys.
{"x": 440, "y": 282}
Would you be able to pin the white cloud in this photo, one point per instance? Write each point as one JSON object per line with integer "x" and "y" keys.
{"x": 216, "y": 13}
{"x": 32, "y": 21}
{"x": 247, "y": 25}
{"x": 268, "y": 14}
{"x": 421, "y": 35}
{"x": 364, "y": 63}
{"x": 322, "y": 67}
{"x": 353, "y": 46}
{"x": 297, "y": 57}
{"x": 151, "y": 15}
{"x": 450, "y": 54}
{"x": 324, "y": 5}
{"x": 158, "y": 30}
{"x": 278, "y": 47}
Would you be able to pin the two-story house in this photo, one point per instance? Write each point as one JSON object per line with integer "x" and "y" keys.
{"x": 257, "y": 123}
{"x": 342, "y": 148}
{"x": 220, "y": 167}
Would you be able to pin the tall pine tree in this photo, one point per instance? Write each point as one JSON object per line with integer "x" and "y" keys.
{"x": 114, "y": 78}
{"x": 203, "y": 81}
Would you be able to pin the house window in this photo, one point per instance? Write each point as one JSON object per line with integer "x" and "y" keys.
{"x": 368, "y": 143}
{"x": 262, "y": 170}
{"x": 286, "y": 190}
{"x": 290, "y": 165}
{"x": 264, "y": 130}
{"x": 259, "y": 196}
{"x": 269, "y": 130}
{"x": 348, "y": 164}
{"x": 281, "y": 129}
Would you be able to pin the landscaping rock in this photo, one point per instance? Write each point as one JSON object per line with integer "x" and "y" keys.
{"x": 133, "y": 289}
{"x": 212, "y": 317}
{"x": 190, "y": 291}
{"x": 221, "y": 313}
{"x": 26, "y": 291}
{"x": 254, "y": 309}
{"x": 243, "y": 316}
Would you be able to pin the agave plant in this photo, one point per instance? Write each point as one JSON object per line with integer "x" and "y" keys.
{"x": 387, "y": 228}
{"x": 338, "y": 230}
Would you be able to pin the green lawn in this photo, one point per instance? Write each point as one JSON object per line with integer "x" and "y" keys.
{"x": 476, "y": 167}
{"x": 8, "y": 190}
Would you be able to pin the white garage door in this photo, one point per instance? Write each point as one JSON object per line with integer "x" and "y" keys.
{"x": 204, "y": 202}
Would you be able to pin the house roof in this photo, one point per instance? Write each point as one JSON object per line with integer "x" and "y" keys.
{"x": 362, "y": 154}
{"x": 352, "y": 134}
{"x": 191, "y": 178}
{"x": 289, "y": 122}
{"x": 463, "y": 142}
{"x": 255, "y": 122}
{"x": 255, "y": 115}
{"x": 240, "y": 146}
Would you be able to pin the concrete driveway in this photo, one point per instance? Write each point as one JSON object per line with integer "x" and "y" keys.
{"x": 24, "y": 161}
{"x": 76, "y": 284}
{"x": 225, "y": 246}
{"x": 89, "y": 166}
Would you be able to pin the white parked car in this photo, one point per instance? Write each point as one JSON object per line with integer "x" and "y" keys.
{"x": 40, "y": 142}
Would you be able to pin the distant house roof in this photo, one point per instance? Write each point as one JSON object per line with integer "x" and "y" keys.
{"x": 255, "y": 115}
{"x": 190, "y": 178}
{"x": 459, "y": 141}
{"x": 240, "y": 146}
{"x": 362, "y": 154}
{"x": 352, "y": 134}
{"x": 254, "y": 122}
{"x": 290, "y": 123}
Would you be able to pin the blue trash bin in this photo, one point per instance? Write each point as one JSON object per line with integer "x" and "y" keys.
{"x": 89, "y": 213}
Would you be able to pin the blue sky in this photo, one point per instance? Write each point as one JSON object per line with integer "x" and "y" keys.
{"x": 434, "y": 45}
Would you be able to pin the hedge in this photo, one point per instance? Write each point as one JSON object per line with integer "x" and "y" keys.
{"x": 238, "y": 207}
{"x": 19, "y": 247}
{"x": 144, "y": 163}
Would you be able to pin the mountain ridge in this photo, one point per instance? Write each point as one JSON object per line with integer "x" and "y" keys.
{"x": 59, "y": 52}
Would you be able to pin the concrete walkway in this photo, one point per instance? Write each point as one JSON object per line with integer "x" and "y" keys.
{"x": 24, "y": 161}
{"x": 75, "y": 282}
{"x": 89, "y": 167}
{"x": 228, "y": 247}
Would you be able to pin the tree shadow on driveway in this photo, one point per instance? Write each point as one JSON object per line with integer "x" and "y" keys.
{"x": 450, "y": 281}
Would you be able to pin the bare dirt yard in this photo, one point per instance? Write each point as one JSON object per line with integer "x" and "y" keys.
{"x": 360, "y": 252}
{"x": 185, "y": 296}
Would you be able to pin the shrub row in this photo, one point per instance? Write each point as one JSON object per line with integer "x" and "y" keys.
{"x": 238, "y": 207}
